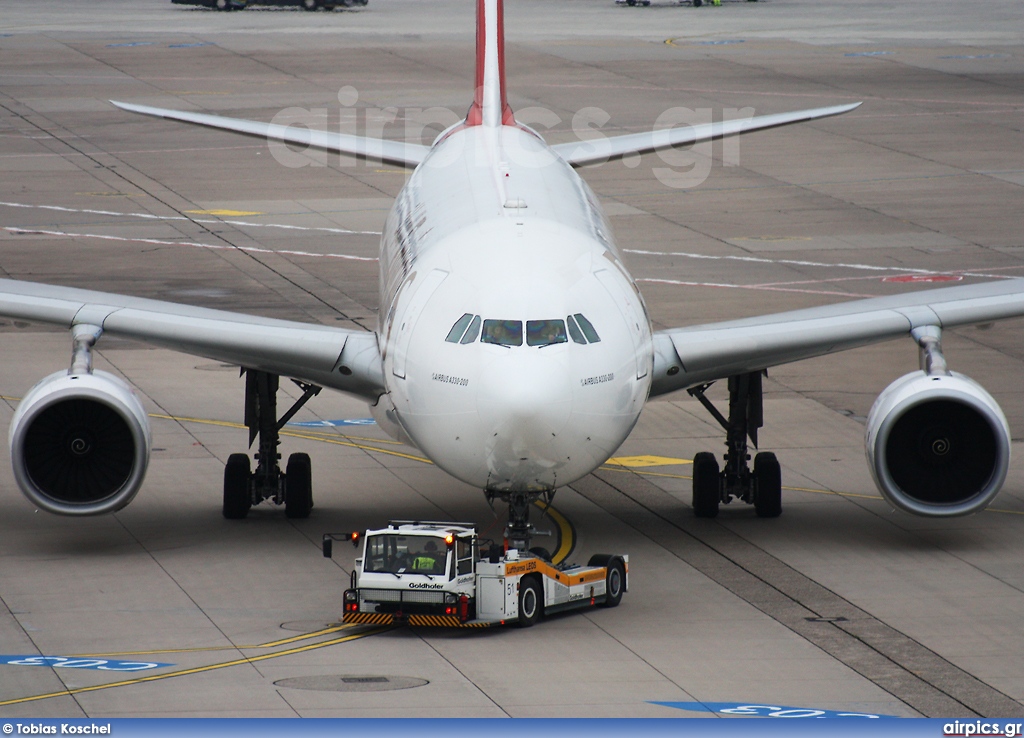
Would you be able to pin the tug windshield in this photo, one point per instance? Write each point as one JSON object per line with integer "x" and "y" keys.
{"x": 402, "y": 554}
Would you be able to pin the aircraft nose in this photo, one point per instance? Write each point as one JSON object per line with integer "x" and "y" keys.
{"x": 529, "y": 399}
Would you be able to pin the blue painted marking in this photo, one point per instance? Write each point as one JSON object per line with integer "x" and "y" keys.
{"x": 975, "y": 56}
{"x": 67, "y": 662}
{"x": 719, "y": 43}
{"x": 133, "y": 43}
{"x": 869, "y": 53}
{"x": 186, "y": 46}
{"x": 334, "y": 423}
{"x": 772, "y": 711}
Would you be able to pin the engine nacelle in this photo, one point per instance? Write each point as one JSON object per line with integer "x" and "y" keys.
{"x": 938, "y": 445}
{"x": 80, "y": 444}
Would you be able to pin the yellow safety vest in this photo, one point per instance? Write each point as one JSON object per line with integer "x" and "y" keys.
{"x": 424, "y": 562}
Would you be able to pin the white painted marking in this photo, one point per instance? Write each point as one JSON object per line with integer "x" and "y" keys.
{"x": 191, "y": 244}
{"x": 150, "y": 216}
{"x": 840, "y": 265}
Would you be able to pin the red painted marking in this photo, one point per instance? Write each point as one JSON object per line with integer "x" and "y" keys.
{"x": 475, "y": 115}
{"x": 914, "y": 278}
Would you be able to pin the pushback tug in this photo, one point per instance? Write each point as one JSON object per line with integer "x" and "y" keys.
{"x": 436, "y": 574}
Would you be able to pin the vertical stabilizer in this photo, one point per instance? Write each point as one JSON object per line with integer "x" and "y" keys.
{"x": 490, "y": 107}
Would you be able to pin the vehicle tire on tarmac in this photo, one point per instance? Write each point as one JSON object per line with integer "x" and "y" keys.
{"x": 530, "y": 602}
{"x": 614, "y": 583}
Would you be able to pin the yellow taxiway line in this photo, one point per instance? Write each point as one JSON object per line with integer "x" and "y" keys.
{"x": 197, "y": 669}
{"x": 203, "y": 649}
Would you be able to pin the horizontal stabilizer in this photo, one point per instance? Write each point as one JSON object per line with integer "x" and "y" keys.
{"x": 580, "y": 153}
{"x": 392, "y": 152}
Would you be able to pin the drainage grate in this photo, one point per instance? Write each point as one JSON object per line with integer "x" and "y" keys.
{"x": 351, "y": 683}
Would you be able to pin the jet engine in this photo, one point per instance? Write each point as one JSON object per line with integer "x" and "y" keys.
{"x": 80, "y": 444}
{"x": 938, "y": 445}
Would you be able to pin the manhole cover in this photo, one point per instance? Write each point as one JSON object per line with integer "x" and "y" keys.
{"x": 308, "y": 626}
{"x": 351, "y": 683}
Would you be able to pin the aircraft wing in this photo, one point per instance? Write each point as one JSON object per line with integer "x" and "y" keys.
{"x": 394, "y": 152}
{"x": 708, "y": 352}
{"x": 330, "y": 357}
{"x": 580, "y": 153}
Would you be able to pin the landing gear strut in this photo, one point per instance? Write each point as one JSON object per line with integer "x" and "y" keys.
{"x": 244, "y": 488}
{"x": 519, "y": 530}
{"x": 762, "y": 486}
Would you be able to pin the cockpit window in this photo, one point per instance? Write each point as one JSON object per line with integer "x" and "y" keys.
{"x": 588, "y": 328}
{"x": 545, "y": 332}
{"x": 459, "y": 328}
{"x": 574, "y": 330}
{"x": 503, "y": 332}
{"x": 473, "y": 331}
{"x": 467, "y": 329}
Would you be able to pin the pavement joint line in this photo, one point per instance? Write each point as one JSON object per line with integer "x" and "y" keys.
{"x": 922, "y": 679}
{"x": 197, "y": 669}
{"x": 809, "y": 490}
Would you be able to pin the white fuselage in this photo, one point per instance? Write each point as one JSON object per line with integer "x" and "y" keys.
{"x": 495, "y": 227}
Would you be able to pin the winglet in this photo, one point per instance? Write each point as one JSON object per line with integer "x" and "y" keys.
{"x": 490, "y": 107}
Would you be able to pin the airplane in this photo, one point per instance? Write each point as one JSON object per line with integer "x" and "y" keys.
{"x": 513, "y": 347}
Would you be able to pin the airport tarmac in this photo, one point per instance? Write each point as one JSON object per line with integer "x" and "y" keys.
{"x": 841, "y": 604}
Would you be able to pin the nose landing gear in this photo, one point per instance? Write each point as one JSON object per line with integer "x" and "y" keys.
{"x": 519, "y": 530}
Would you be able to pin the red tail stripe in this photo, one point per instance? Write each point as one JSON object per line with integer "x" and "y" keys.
{"x": 475, "y": 115}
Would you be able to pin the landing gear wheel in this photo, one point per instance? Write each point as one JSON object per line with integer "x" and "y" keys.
{"x": 697, "y": 3}
{"x": 541, "y": 553}
{"x": 529, "y": 602}
{"x": 237, "y": 499}
{"x": 768, "y": 492}
{"x": 614, "y": 583}
{"x": 706, "y": 494}
{"x": 298, "y": 487}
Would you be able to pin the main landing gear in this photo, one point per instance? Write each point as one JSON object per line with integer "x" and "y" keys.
{"x": 244, "y": 488}
{"x": 762, "y": 486}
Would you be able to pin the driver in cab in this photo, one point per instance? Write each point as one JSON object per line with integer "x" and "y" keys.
{"x": 428, "y": 561}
